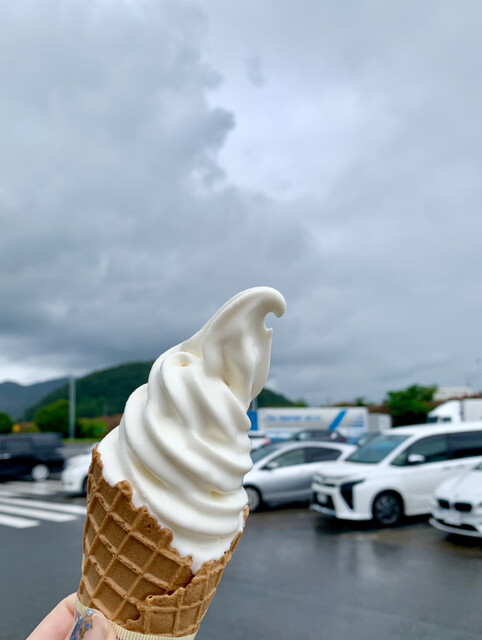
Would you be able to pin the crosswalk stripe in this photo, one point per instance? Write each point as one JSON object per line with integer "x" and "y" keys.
{"x": 53, "y": 506}
{"x": 36, "y": 513}
{"x": 8, "y": 493}
{"x": 35, "y": 488}
{"x": 18, "y": 523}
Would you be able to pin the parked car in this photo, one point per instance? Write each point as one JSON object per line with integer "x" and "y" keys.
{"x": 76, "y": 471}
{"x": 457, "y": 504}
{"x": 258, "y": 439}
{"x": 318, "y": 435}
{"x": 366, "y": 438}
{"x": 283, "y": 472}
{"x": 36, "y": 455}
{"x": 396, "y": 473}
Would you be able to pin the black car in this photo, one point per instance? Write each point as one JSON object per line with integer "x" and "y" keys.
{"x": 31, "y": 454}
{"x": 319, "y": 434}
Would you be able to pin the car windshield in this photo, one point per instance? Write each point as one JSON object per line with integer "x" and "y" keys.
{"x": 262, "y": 452}
{"x": 376, "y": 450}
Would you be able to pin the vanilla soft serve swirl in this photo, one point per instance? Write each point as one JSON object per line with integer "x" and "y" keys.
{"x": 183, "y": 440}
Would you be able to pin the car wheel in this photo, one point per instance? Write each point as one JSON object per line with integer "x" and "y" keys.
{"x": 254, "y": 498}
{"x": 40, "y": 472}
{"x": 387, "y": 508}
{"x": 84, "y": 486}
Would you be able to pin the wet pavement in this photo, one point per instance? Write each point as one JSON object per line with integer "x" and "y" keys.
{"x": 294, "y": 575}
{"x": 297, "y": 575}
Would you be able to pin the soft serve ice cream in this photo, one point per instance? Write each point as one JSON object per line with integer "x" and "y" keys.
{"x": 183, "y": 440}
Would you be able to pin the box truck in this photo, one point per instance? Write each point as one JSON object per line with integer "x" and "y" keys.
{"x": 464, "y": 410}
{"x": 352, "y": 422}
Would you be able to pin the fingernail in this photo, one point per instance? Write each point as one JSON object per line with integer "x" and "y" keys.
{"x": 92, "y": 625}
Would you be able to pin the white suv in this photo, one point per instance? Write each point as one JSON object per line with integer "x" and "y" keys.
{"x": 396, "y": 473}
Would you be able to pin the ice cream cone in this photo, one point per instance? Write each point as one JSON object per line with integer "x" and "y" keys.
{"x": 130, "y": 571}
{"x": 166, "y": 504}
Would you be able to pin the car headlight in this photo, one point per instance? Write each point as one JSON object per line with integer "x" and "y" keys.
{"x": 346, "y": 490}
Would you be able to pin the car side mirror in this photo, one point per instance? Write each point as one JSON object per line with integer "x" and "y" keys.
{"x": 272, "y": 465}
{"x": 416, "y": 458}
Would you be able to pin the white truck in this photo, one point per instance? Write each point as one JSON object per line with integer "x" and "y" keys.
{"x": 464, "y": 410}
{"x": 352, "y": 422}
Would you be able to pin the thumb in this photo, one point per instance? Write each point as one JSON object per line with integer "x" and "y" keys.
{"x": 91, "y": 625}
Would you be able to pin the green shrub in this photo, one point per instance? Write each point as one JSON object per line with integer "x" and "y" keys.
{"x": 33, "y": 428}
{"x": 92, "y": 428}
{"x": 410, "y": 405}
{"x": 6, "y": 423}
{"x": 55, "y": 417}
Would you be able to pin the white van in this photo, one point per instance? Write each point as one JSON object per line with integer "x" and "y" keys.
{"x": 396, "y": 473}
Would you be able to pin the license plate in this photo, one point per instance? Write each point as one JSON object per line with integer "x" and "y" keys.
{"x": 322, "y": 498}
{"x": 453, "y": 517}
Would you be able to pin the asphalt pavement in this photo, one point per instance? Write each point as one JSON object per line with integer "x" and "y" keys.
{"x": 293, "y": 576}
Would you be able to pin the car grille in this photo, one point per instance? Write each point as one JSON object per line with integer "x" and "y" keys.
{"x": 465, "y": 507}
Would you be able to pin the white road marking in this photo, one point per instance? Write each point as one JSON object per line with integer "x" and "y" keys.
{"x": 8, "y": 493}
{"x": 35, "y": 488}
{"x": 36, "y": 513}
{"x": 53, "y": 506}
{"x": 18, "y": 523}
{"x": 20, "y": 509}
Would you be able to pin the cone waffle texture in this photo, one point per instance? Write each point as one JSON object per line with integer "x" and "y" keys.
{"x": 131, "y": 572}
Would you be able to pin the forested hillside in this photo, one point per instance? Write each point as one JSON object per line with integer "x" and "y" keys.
{"x": 105, "y": 392}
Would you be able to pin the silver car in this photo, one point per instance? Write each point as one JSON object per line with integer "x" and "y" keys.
{"x": 283, "y": 472}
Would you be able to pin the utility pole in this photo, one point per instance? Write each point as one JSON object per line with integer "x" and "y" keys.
{"x": 72, "y": 407}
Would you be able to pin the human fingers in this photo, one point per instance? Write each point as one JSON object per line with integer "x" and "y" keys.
{"x": 91, "y": 625}
{"x": 60, "y": 624}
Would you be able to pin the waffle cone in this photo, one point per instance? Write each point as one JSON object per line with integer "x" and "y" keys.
{"x": 130, "y": 571}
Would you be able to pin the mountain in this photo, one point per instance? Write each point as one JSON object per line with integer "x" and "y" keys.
{"x": 268, "y": 398}
{"x": 16, "y": 398}
{"x": 104, "y": 393}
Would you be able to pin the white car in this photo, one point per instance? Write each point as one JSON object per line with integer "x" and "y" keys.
{"x": 75, "y": 473}
{"x": 457, "y": 504}
{"x": 396, "y": 473}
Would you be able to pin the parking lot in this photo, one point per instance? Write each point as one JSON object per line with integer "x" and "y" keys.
{"x": 294, "y": 575}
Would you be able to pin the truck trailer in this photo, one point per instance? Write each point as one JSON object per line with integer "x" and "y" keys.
{"x": 352, "y": 422}
{"x": 464, "y": 410}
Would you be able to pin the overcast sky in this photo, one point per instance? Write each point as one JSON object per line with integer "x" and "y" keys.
{"x": 157, "y": 157}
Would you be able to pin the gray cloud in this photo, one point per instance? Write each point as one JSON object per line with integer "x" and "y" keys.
{"x": 144, "y": 179}
{"x": 255, "y": 71}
